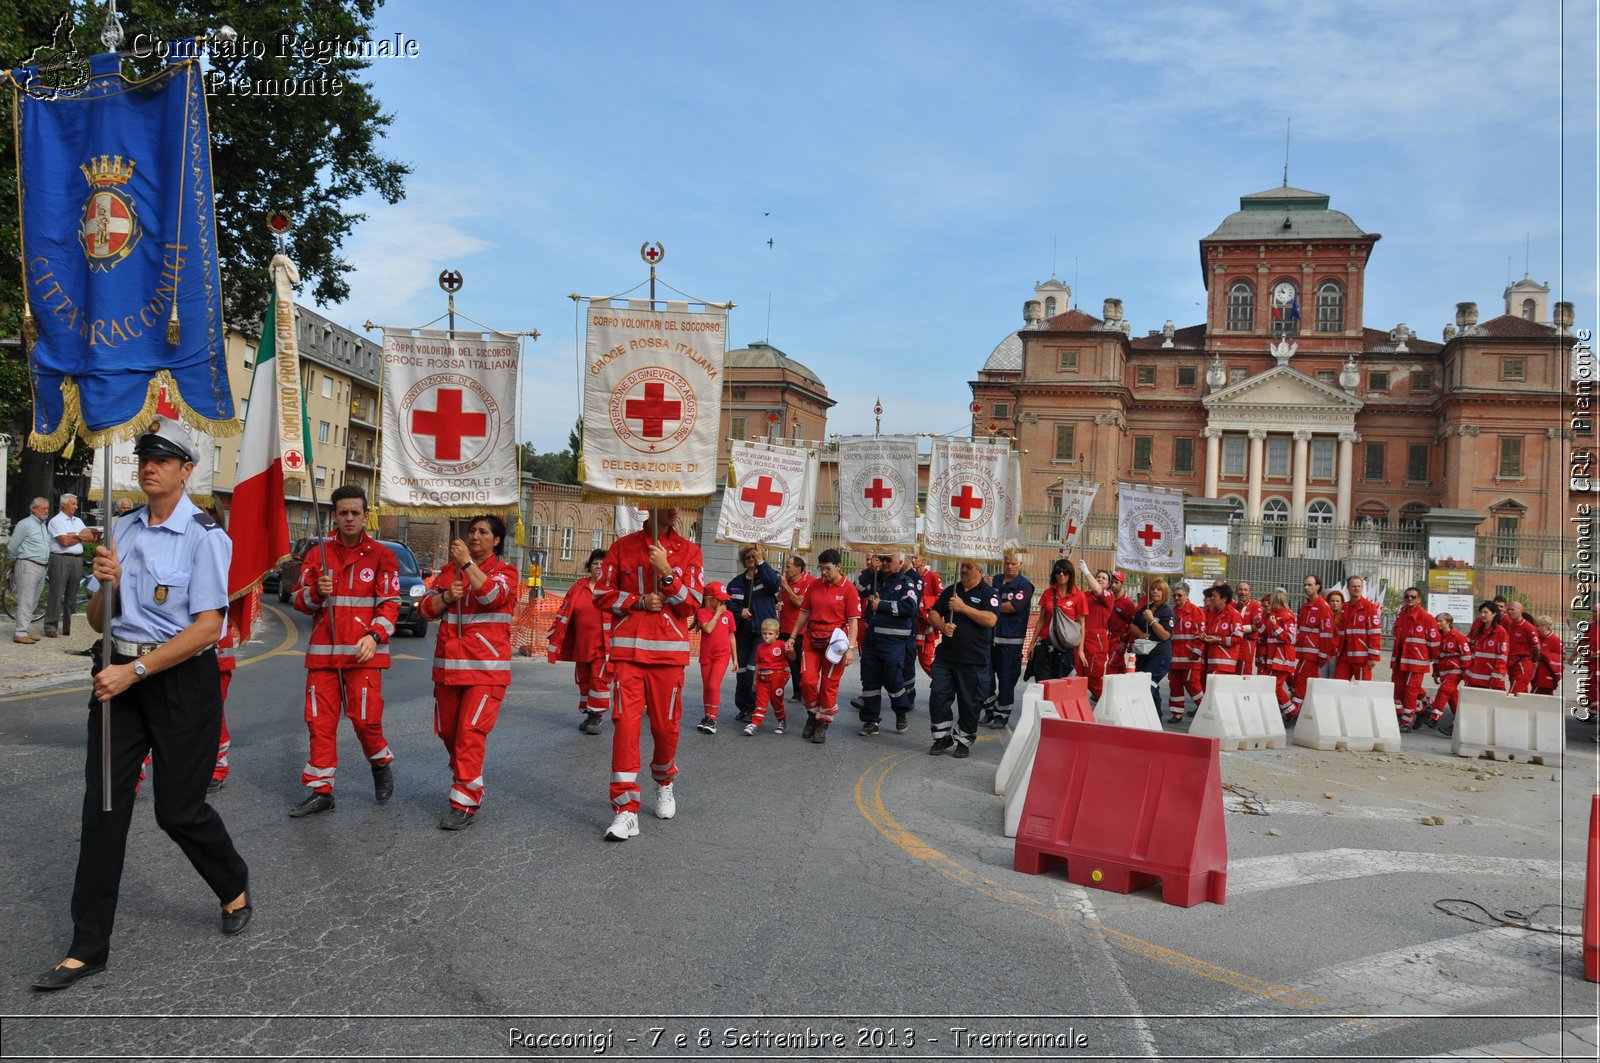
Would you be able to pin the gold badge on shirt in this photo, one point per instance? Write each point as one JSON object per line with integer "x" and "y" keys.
{"x": 160, "y": 595}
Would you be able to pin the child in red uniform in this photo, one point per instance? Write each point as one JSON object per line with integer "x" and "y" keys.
{"x": 1449, "y": 668}
{"x": 716, "y": 650}
{"x": 772, "y": 675}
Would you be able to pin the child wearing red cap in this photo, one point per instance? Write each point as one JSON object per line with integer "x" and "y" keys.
{"x": 716, "y": 651}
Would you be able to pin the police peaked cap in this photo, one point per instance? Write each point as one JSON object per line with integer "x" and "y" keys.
{"x": 166, "y": 439}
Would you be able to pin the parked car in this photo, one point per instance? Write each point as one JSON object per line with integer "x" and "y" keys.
{"x": 413, "y": 582}
{"x": 281, "y": 582}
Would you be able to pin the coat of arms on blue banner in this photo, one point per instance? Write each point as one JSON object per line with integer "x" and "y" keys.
{"x": 119, "y": 253}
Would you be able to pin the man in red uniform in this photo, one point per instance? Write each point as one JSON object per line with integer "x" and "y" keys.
{"x": 1360, "y": 635}
{"x": 1251, "y": 615}
{"x": 1523, "y": 636}
{"x": 1416, "y": 646}
{"x": 350, "y": 586}
{"x": 1313, "y": 643}
{"x": 1123, "y": 609}
{"x": 1188, "y": 653}
{"x": 831, "y": 602}
{"x": 792, "y": 589}
{"x": 649, "y": 587}
{"x": 472, "y": 599}
{"x": 1449, "y": 668}
{"x": 1547, "y": 666}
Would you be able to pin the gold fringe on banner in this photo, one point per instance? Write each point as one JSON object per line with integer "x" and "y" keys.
{"x": 372, "y": 520}
{"x": 394, "y": 509}
{"x": 30, "y": 327}
{"x": 72, "y": 418}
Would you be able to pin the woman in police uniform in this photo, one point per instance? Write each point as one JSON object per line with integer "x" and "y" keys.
{"x": 171, "y": 574}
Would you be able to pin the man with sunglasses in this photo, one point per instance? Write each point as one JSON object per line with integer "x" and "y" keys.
{"x": 1416, "y": 645}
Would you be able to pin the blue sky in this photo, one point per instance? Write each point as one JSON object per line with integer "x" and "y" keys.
{"x": 914, "y": 165}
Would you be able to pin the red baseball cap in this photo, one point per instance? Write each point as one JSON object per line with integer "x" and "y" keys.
{"x": 717, "y": 591}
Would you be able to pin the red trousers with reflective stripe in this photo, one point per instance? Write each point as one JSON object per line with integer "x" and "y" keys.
{"x": 1448, "y": 696}
{"x": 594, "y": 690}
{"x": 638, "y": 690}
{"x": 220, "y": 772}
{"x": 1283, "y": 678}
{"x": 819, "y": 683}
{"x": 1096, "y": 648}
{"x": 1184, "y": 681}
{"x": 1521, "y": 671}
{"x": 1408, "y": 693}
{"x": 1345, "y": 668}
{"x": 362, "y": 702}
{"x": 463, "y": 718}
{"x": 769, "y": 690}
{"x": 713, "y": 670}
{"x": 1305, "y": 670}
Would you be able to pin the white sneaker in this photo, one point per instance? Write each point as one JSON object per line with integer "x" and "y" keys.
{"x": 782, "y": 727}
{"x": 749, "y": 728}
{"x": 625, "y": 826}
{"x": 666, "y": 803}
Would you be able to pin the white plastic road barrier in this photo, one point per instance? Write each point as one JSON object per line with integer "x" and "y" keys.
{"x": 1125, "y": 701}
{"x": 1017, "y": 786}
{"x": 1349, "y": 714}
{"x": 1504, "y": 726}
{"x": 1242, "y": 711}
{"x": 1026, "y": 718}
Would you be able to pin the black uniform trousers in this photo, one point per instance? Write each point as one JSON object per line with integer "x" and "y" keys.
{"x": 961, "y": 683}
{"x": 881, "y": 663}
{"x": 176, "y": 717}
{"x": 909, "y": 669}
{"x": 1005, "y": 668}
{"x": 744, "y": 655}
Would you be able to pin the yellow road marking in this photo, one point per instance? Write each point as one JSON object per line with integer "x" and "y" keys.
{"x": 877, "y": 813}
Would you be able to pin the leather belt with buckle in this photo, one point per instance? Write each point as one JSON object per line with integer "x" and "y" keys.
{"x": 134, "y": 649}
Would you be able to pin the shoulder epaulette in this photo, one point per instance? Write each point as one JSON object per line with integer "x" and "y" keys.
{"x": 204, "y": 520}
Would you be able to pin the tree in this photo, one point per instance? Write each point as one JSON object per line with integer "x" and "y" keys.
{"x": 308, "y": 154}
{"x": 560, "y": 466}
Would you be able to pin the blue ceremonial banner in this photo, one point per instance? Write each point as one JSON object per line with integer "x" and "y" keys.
{"x": 119, "y": 252}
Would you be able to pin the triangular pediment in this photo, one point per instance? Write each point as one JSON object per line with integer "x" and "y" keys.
{"x": 1279, "y": 389}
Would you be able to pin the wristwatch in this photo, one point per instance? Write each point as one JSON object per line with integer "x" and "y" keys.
{"x": 138, "y": 669}
{"x": 667, "y": 580}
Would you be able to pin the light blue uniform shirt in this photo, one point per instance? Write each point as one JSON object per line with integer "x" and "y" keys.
{"x": 171, "y": 572}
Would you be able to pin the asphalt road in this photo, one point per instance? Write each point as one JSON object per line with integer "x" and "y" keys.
{"x": 850, "y": 900}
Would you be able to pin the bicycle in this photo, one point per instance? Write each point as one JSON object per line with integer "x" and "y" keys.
{"x": 8, "y": 601}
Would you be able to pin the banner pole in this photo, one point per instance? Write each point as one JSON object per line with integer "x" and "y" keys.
{"x": 108, "y": 610}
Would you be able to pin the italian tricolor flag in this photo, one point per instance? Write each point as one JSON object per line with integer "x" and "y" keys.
{"x": 258, "y": 520}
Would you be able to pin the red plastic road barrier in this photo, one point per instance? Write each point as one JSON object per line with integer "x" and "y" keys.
{"x": 1124, "y": 808}
{"x": 1591, "y": 899}
{"x": 1070, "y": 696}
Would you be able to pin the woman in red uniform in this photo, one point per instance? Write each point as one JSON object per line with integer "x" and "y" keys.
{"x": 1281, "y": 630}
{"x": 1547, "y": 665}
{"x": 1448, "y": 668}
{"x": 578, "y": 635}
{"x": 1491, "y": 652}
{"x": 472, "y": 600}
{"x": 1064, "y": 598}
{"x": 1224, "y": 638}
{"x": 1188, "y": 653}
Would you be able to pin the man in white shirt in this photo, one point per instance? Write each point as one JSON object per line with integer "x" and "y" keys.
{"x": 67, "y": 536}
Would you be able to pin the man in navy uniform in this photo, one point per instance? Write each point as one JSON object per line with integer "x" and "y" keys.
{"x": 171, "y": 575}
{"x": 752, "y": 598}
{"x": 1005, "y": 661}
{"x": 893, "y": 609}
{"x": 965, "y": 616}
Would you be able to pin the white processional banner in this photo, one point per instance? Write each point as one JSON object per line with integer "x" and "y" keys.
{"x": 768, "y": 499}
{"x": 652, "y": 404}
{"x": 1150, "y": 529}
{"x": 449, "y": 422}
{"x": 1076, "y": 501}
{"x": 878, "y": 492}
{"x": 807, "y": 520}
{"x": 971, "y": 505}
{"x": 125, "y": 466}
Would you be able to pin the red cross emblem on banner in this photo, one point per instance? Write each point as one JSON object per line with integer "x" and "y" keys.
{"x": 761, "y": 496}
{"x": 878, "y": 493}
{"x": 1072, "y": 528}
{"x": 1148, "y": 535}
{"x": 165, "y": 407}
{"x": 653, "y": 411}
{"x": 966, "y": 502}
{"x": 449, "y": 424}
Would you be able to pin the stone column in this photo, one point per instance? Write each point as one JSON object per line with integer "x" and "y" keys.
{"x": 1258, "y": 446}
{"x": 1213, "y": 459}
{"x": 1343, "y": 518}
{"x": 1297, "y": 493}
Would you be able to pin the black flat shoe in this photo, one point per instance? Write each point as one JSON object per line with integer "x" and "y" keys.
{"x": 455, "y": 819}
{"x": 317, "y": 802}
{"x": 239, "y": 918}
{"x": 61, "y": 977}
{"x": 382, "y": 782}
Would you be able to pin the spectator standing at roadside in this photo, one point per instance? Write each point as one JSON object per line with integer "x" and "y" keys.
{"x": 1152, "y": 623}
{"x": 67, "y": 536}
{"x": 30, "y": 558}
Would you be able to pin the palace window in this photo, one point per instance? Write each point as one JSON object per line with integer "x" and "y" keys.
{"x": 1417, "y": 462}
{"x": 1145, "y": 376}
{"x": 1278, "y": 456}
{"x": 1374, "y": 469}
{"x": 1529, "y": 308}
{"x": 1183, "y": 454}
{"x": 1067, "y": 361}
{"x": 1064, "y": 434}
{"x": 1513, "y": 369}
{"x": 740, "y": 395}
{"x": 1049, "y": 307}
{"x": 1233, "y": 455}
{"x": 1510, "y": 455}
{"x": 1237, "y": 375}
{"x": 1421, "y": 383}
{"x": 737, "y": 426}
{"x": 1187, "y": 376}
{"x": 1142, "y": 446}
{"x": 1322, "y": 459}
{"x": 1002, "y": 409}
{"x": 1327, "y": 376}
{"x": 1241, "y": 307}
{"x": 1330, "y": 307}
{"x": 1378, "y": 381}
{"x": 322, "y": 431}
{"x": 1505, "y": 533}
{"x": 566, "y": 544}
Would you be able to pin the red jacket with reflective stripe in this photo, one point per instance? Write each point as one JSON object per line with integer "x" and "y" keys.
{"x": 227, "y": 645}
{"x": 1523, "y": 636}
{"x": 1315, "y": 639}
{"x": 578, "y": 633}
{"x": 1454, "y": 652}
{"x": 480, "y": 653}
{"x": 1416, "y": 640}
{"x": 627, "y": 575}
{"x": 1360, "y": 635}
{"x": 1280, "y": 628}
{"x": 366, "y": 601}
{"x": 1488, "y": 663}
{"x": 1222, "y": 658}
{"x": 1547, "y": 666}
{"x": 1189, "y": 624}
